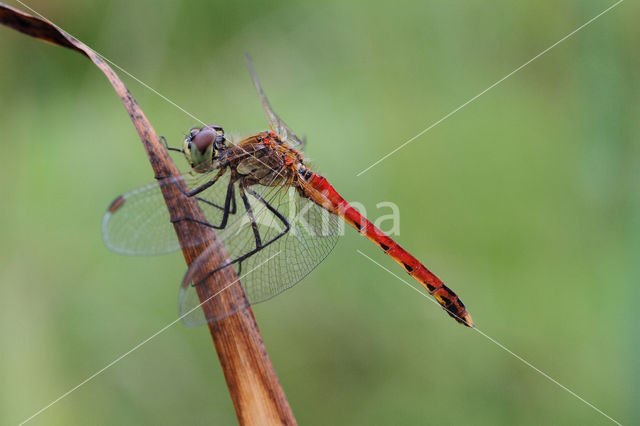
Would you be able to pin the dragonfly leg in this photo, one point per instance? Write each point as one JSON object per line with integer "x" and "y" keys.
{"x": 259, "y": 244}
{"x": 252, "y": 219}
{"x": 209, "y": 203}
{"x": 206, "y": 185}
{"x": 229, "y": 208}
{"x": 233, "y": 201}
{"x": 273, "y": 210}
{"x": 192, "y": 193}
{"x": 232, "y": 209}
{"x": 166, "y": 145}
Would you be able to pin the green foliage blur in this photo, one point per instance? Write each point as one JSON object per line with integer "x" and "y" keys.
{"x": 525, "y": 202}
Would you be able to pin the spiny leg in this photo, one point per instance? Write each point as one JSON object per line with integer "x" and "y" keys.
{"x": 232, "y": 210}
{"x": 272, "y": 209}
{"x": 229, "y": 208}
{"x": 169, "y": 148}
{"x": 252, "y": 219}
{"x": 200, "y": 188}
{"x": 259, "y": 244}
{"x": 196, "y": 191}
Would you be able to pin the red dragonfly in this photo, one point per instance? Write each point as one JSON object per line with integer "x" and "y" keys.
{"x": 275, "y": 216}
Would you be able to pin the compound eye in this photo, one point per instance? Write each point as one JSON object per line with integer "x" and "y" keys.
{"x": 213, "y": 127}
{"x": 204, "y": 139}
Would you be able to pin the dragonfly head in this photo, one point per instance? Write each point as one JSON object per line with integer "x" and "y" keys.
{"x": 202, "y": 145}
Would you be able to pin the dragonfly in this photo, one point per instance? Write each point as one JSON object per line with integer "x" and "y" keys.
{"x": 275, "y": 216}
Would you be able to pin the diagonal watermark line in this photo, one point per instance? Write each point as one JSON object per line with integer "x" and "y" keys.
{"x": 488, "y": 88}
{"x": 35, "y": 12}
{"x": 94, "y": 375}
{"x": 500, "y": 345}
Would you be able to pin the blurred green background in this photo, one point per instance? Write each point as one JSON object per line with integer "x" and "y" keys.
{"x": 526, "y": 202}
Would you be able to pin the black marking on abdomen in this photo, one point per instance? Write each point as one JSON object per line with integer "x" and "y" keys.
{"x": 447, "y": 302}
{"x": 408, "y": 268}
{"x": 448, "y": 290}
{"x": 463, "y": 308}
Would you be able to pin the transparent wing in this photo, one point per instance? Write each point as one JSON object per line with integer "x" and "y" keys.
{"x": 138, "y": 222}
{"x": 288, "y": 255}
{"x": 275, "y": 122}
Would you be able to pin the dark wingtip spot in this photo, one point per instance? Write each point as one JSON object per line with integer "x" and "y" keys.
{"x": 116, "y": 204}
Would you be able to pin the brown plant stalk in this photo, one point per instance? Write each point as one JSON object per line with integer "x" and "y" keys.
{"x": 253, "y": 385}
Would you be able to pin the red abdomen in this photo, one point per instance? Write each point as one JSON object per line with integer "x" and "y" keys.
{"x": 332, "y": 201}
